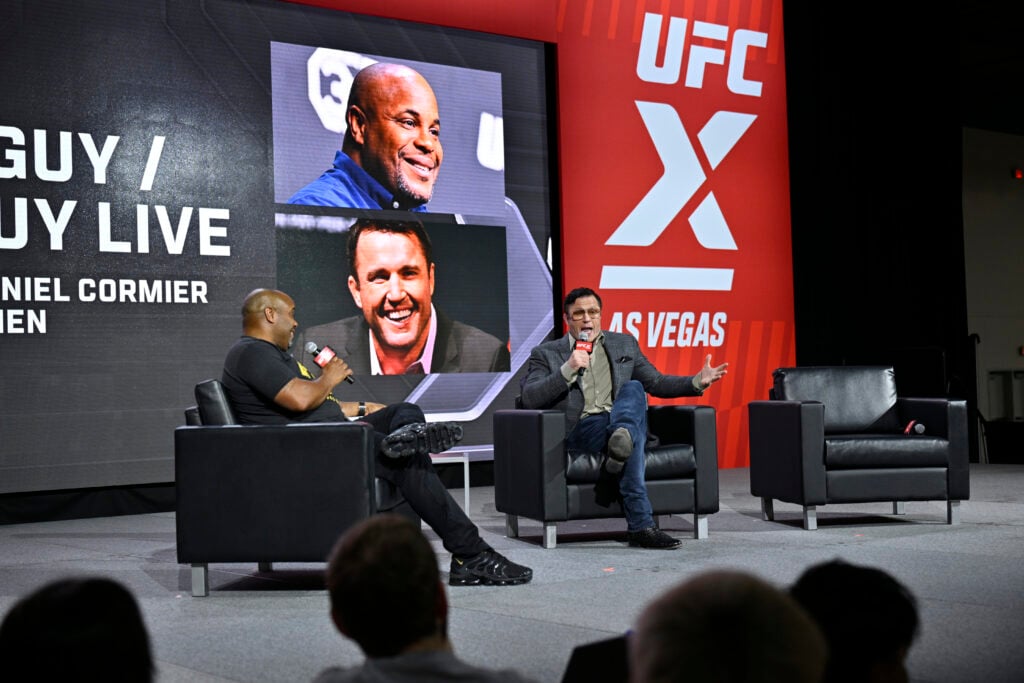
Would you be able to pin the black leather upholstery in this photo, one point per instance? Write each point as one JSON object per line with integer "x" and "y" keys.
{"x": 270, "y": 493}
{"x": 858, "y": 398}
{"x": 260, "y": 493}
{"x": 836, "y": 435}
{"x": 213, "y": 405}
{"x": 535, "y": 478}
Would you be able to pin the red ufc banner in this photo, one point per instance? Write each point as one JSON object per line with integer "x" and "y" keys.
{"x": 675, "y": 187}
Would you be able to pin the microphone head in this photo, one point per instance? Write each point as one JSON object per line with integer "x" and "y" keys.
{"x": 919, "y": 428}
{"x": 584, "y": 336}
{"x": 312, "y": 348}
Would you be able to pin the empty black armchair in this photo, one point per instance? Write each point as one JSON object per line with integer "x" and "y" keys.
{"x": 264, "y": 494}
{"x": 842, "y": 435}
{"x": 535, "y": 478}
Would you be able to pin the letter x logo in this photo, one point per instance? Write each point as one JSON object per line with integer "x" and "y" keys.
{"x": 683, "y": 177}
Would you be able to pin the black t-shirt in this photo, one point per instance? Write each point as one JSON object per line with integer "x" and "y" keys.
{"x": 254, "y": 372}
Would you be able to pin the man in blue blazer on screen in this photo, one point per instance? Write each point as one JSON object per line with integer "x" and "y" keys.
{"x": 391, "y": 153}
{"x": 601, "y": 380}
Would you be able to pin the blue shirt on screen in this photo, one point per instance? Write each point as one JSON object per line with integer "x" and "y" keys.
{"x": 347, "y": 185}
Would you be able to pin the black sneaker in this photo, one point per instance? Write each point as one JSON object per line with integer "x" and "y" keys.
{"x": 489, "y": 568}
{"x": 421, "y": 438}
{"x": 652, "y": 538}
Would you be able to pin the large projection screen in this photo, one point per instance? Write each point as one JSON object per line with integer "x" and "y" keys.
{"x": 147, "y": 152}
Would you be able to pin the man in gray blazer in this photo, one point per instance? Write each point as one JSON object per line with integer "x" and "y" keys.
{"x": 400, "y": 331}
{"x": 601, "y": 380}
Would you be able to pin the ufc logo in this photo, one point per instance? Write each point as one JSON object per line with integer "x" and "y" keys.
{"x": 684, "y": 175}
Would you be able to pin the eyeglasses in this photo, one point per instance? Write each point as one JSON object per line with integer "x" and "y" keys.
{"x": 590, "y": 313}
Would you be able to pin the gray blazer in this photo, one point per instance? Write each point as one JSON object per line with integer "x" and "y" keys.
{"x": 544, "y": 386}
{"x": 457, "y": 348}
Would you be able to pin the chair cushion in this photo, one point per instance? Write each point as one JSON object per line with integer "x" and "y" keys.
{"x": 855, "y": 451}
{"x": 857, "y": 399}
{"x": 675, "y": 461}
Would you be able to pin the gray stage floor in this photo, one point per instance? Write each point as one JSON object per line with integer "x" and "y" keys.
{"x": 969, "y": 580}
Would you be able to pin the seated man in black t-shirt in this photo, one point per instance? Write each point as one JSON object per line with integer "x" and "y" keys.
{"x": 266, "y": 385}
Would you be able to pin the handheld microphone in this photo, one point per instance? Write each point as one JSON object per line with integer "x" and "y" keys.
{"x": 324, "y": 356}
{"x": 914, "y": 427}
{"x": 588, "y": 346}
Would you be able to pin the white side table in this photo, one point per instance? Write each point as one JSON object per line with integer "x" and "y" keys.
{"x": 465, "y": 455}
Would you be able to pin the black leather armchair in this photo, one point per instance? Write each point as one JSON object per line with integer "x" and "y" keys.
{"x": 535, "y": 478}
{"x": 836, "y": 435}
{"x": 269, "y": 494}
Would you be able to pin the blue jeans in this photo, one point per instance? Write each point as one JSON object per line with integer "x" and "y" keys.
{"x": 591, "y": 434}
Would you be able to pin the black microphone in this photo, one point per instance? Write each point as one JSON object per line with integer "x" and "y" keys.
{"x": 914, "y": 427}
{"x": 324, "y": 356}
{"x": 587, "y": 346}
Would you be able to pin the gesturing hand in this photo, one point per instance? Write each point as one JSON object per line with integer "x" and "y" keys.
{"x": 709, "y": 375}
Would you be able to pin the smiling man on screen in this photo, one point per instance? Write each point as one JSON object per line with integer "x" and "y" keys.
{"x": 391, "y": 153}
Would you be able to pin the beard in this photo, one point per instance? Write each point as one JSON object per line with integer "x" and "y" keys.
{"x": 407, "y": 194}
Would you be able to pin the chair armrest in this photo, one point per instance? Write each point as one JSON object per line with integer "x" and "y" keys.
{"x": 948, "y": 419}
{"x": 787, "y": 451}
{"x": 694, "y": 425}
{"x": 270, "y": 493}
{"x": 529, "y": 464}
{"x": 933, "y": 413}
{"x": 959, "y": 452}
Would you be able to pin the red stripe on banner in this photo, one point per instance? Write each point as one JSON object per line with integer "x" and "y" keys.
{"x": 728, "y": 387}
{"x": 755, "y": 13}
{"x": 613, "y": 20}
{"x": 563, "y": 7}
{"x": 752, "y": 379}
{"x": 774, "y": 55}
{"x": 638, "y": 21}
{"x": 733, "y": 15}
{"x": 588, "y": 17}
{"x": 688, "y": 9}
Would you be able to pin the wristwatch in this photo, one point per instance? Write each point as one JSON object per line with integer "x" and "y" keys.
{"x": 362, "y": 409}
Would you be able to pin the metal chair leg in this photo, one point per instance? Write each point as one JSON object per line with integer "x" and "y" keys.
{"x": 810, "y": 517}
{"x": 953, "y": 512}
{"x": 200, "y": 581}
{"x": 549, "y": 535}
{"x": 700, "y": 526}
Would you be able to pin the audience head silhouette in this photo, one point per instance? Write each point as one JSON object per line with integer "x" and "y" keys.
{"x": 385, "y": 587}
{"x": 725, "y": 627}
{"x": 868, "y": 618}
{"x": 76, "y": 629}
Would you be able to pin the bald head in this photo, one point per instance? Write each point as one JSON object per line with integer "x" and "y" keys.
{"x": 260, "y": 299}
{"x": 269, "y": 314}
{"x": 394, "y": 131}
{"x": 383, "y": 81}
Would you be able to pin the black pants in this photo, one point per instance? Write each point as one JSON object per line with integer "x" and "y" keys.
{"x": 417, "y": 479}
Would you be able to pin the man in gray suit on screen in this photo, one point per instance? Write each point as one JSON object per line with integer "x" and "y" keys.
{"x": 400, "y": 331}
{"x": 601, "y": 380}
